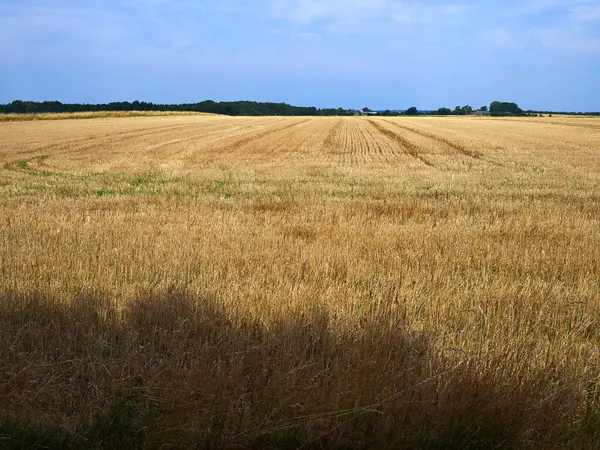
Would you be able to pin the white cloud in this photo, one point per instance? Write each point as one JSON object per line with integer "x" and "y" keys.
{"x": 570, "y": 40}
{"x": 307, "y": 11}
{"x": 537, "y": 7}
{"x": 500, "y": 38}
{"x": 343, "y": 14}
{"x": 585, "y": 13}
{"x": 310, "y": 36}
{"x": 421, "y": 13}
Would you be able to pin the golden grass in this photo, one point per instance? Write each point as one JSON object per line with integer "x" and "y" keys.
{"x": 13, "y": 117}
{"x": 293, "y": 282}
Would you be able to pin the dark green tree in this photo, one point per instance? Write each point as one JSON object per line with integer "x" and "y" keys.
{"x": 412, "y": 111}
{"x": 505, "y": 109}
{"x": 18, "y": 106}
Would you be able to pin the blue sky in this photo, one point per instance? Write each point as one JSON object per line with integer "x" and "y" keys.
{"x": 542, "y": 54}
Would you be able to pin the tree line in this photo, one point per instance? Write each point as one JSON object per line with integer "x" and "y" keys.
{"x": 248, "y": 108}
{"x": 496, "y": 109}
{"x": 241, "y": 108}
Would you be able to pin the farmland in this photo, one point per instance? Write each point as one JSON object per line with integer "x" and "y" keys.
{"x": 300, "y": 282}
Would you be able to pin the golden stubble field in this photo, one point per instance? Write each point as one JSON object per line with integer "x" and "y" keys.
{"x": 300, "y": 282}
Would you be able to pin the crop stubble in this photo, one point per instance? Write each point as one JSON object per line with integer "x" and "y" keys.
{"x": 312, "y": 279}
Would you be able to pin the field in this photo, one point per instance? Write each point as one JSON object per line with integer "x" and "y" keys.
{"x": 11, "y": 117}
{"x": 274, "y": 282}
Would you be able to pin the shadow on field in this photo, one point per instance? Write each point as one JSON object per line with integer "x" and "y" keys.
{"x": 175, "y": 370}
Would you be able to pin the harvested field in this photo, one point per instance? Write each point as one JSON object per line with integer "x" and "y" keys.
{"x": 209, "y": 281}
{"x": 13, "y": 117}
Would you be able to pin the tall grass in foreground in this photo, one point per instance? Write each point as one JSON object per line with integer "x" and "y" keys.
{"x": 13, "y": 117}
{"x": 294, "y": 284}
{"x": 171, "y": 368}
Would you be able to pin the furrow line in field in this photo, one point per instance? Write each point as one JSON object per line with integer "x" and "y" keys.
{"x": 349, "y": 145}
{"x": 207, "y": 135}
{"x": 333, "y": 135}
{"x": 346, "y": 150}
{"x": 246, "y": 140}
{"x": 357, "y": 143}
{"x": 358, "y": 139}
{"x": 330, "y": 144}
{"x": 116, "y": 140}
{"x": 409, "y": 147}
{"x": 42, "y": 150}
{"x": 369, "y": 130}
{"x": 119, "y": 137}
{"x": 457, "y": 147}
{"x": 288, "y": 140}
{"x": 368, "y": 154}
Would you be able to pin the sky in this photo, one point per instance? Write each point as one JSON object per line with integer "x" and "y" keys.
{"x": 381, "y": 54}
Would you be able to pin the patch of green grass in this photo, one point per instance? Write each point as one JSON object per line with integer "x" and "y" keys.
{"x": 124, "y": 192}
{"x": 228, "y": 195}
{"x": 22, "y": 165}
{"x": 43, "y": 157}
{"x": 105, "y": 192}
{"x": 39, "y": 188}
{"x": 221, "y": 184}
{"x": 150, "y": 180}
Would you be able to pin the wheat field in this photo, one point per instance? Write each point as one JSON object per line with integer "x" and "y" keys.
{"x": 218, "y": 282}
{"x": 20, "y": 117}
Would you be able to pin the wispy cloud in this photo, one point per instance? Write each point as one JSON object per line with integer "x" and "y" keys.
{"x": 365, "y": 13}
{"x": 566, "y": 39}
{"x": 500, "y": 38}
{"x": 585, "y": 13}
{"x": 308, "y": 11}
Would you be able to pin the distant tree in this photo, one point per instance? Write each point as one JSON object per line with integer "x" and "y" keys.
{"x": 32, "y": 108}
{"x": 444, "y": 111}
{"x": 483, "y": 108}
{"x": 412, "y": 111}
{"x": 467, "y": 110}
{"x": 240, "y": 108}
{"x": 505, "y": 109}
{"x": 367, "y": 110}
{"x": 18, "y": 106}
{"x": 458, "y": 111}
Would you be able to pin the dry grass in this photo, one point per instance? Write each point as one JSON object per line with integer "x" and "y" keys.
{"x": 94, "y": 115}
{"x": 300, "y": 283}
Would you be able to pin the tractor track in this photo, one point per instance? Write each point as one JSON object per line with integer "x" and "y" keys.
{"x": 409, "y": 147}
{"x": 457, "y": 147}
